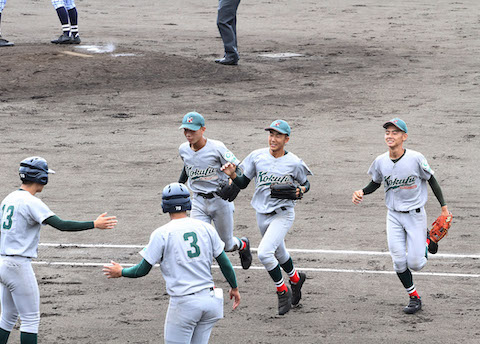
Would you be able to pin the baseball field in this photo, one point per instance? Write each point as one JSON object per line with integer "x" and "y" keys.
{"x": 106, "y": 118}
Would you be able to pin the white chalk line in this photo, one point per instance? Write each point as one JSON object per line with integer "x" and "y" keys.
{"x": 344, "y": 252}
{"x": 438, "y": 274}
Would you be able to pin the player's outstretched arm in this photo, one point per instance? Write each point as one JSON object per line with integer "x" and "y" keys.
{"x": 437, "y": 191}
{"x": 115, "y": 270}
{"x": 105, "y": 222}
{"x": 102, "y": 222}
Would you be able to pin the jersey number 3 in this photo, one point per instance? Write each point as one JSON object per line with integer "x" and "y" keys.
{"x": 191, "y": 238}
{"x": 7, "y": 224}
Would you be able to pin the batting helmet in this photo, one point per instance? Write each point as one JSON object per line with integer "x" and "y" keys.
{"x": 34, "y": 169}
{"x": 176, "y": 198}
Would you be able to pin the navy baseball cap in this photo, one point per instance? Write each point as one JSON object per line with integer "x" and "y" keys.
{"x": 281, "y": 126}
{"x": 397, "y": 122}
{"x": 193, "y": 121}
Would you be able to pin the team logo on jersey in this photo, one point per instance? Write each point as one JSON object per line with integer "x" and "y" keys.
{"x": 231, "y": 158}
{"x": 264, "y": 178}
{"x": 405, "y": 183}
{"x": 426, "y": 166}
{"x": 208, "y": 173}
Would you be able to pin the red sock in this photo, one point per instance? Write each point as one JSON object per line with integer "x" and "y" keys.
{"x": 414, "y": 294}
{"x": 295, "y": 278}
{"x": 283, "y": 287}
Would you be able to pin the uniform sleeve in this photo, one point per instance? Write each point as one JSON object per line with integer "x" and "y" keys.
{"x": 301, "y": 172}
{"x": 39, "y": 211}
{"x": 226, "y": 155}
{"x": 217, "y": 244}
{"x": 248, "y": 167}
{"x": 425, "y": 171}
{"x": 153, "y": 252}
{"x": 375, "y": 173}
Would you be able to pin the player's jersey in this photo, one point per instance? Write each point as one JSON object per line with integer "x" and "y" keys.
{"x": 185, "y": 249}
{"x": 266, "y": 169}
{"x": 405, "y": 181}
{"x": 21, "y": 216}
{"x": 203, "y": 166}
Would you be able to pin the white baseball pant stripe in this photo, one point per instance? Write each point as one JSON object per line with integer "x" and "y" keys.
{"x": 68, "y": 4}
{"x": 220, "y": 212}
{"x": 19, "y": 294}
{"x": 190, "y": 318}
{"x": 407, "y": 235}
{"x": 274, "y": 228}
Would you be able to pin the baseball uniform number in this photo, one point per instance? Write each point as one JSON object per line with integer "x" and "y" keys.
{"x": 192, "y": 239}
{"x": 7, "y": 224}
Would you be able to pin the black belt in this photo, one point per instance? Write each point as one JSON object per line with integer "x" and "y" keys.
{"x": 275, "y": 212}
{"x": 211, "y": 289}
{"x": 208, "y": 195}
{"x": 406, "y": 212}
{"x": 15, "y": 255}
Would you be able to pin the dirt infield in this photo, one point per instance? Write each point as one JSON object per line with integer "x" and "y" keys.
{"x": 108, "y": 124}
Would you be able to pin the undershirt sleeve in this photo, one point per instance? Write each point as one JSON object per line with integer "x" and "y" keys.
{"x": 371, "y": 187}
{"x": 139, "y": 270}
{"x": 183, "y": 176}
{"x": 72, "y": 226}
{"x": 227, "y": 269}
{"x": 437, "y": 191}
{"x": 241, "y": 181}
{"x": 306, "y": 185}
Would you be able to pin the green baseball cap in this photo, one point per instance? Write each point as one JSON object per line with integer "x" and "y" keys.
{"x": 397, "y": 122}
{"x": 193, "y": 121}
{"x": 281, "y": 126}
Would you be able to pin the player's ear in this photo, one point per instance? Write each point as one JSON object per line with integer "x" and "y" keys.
{"x": 405, "y": 135}
{"x": 287, "y": 138}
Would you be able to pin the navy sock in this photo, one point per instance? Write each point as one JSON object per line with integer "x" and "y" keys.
{"x": 63, "y": 16}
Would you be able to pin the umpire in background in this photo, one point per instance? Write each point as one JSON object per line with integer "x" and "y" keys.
{"x": 227, "y": 25}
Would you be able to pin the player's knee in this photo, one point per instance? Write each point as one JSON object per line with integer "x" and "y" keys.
{"x": 267, "y": 258}
{"x": 417, "y": 263}
{"x": 30, "y": 322}
{"x": 400, "y": 265}
{"x": 8, "y": 321}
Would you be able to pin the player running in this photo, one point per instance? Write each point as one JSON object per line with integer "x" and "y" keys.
{"x": 185, "y": 248}
{"x": 22, "y": 215}
{"x": 404, "y": 173}
{"x": 274, "y": 216}
{"x": 203, "y": 159}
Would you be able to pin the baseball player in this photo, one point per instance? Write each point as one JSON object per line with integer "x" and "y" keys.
{"x": 3, "y": 41}
{"x": 67, "y": 13}
{"x": 404, "y": 173}
{"x": 203, "y": 159}
{"x": 22, "y": 215}
{"x": 274, "y": 216}
{"x": 227, "y": 26}
{"x": 185, "y": 248}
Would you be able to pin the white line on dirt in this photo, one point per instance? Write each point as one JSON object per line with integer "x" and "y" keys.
{"x": 345, "y": 252}
{"x": 439, "y": 274}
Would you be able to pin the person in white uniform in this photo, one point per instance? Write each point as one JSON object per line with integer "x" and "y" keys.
{"x": 203, "y": 159}
{"x": 22, "y": 215}
{"x": 185, "y": 248}
{"x": 404, "y": 173}
{"x": 274, "y": 216}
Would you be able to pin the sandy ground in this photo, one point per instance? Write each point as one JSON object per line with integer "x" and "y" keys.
{"x": 108, "y": 125}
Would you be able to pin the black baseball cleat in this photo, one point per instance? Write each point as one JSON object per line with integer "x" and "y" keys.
{"x": 5, "y": 43}
{"x": 297, "y": 288}
{"x": 76, "y": 39}
{"x": 432, "y": 246}
{"x": 64, "y": 38}
{"x": 228, "y": 61}
{"x": 245, "y": 254}
{"x": 284, "y": 301}
{"x": 414, "y": 305}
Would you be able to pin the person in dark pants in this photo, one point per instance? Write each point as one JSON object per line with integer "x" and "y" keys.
{"x": 227, "y": 26}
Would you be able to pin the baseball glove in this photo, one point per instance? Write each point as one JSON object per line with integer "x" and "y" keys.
{"x": 440, "y": 227}
{"x": 285, "y": 191}
{"x": 228, "y": 191}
